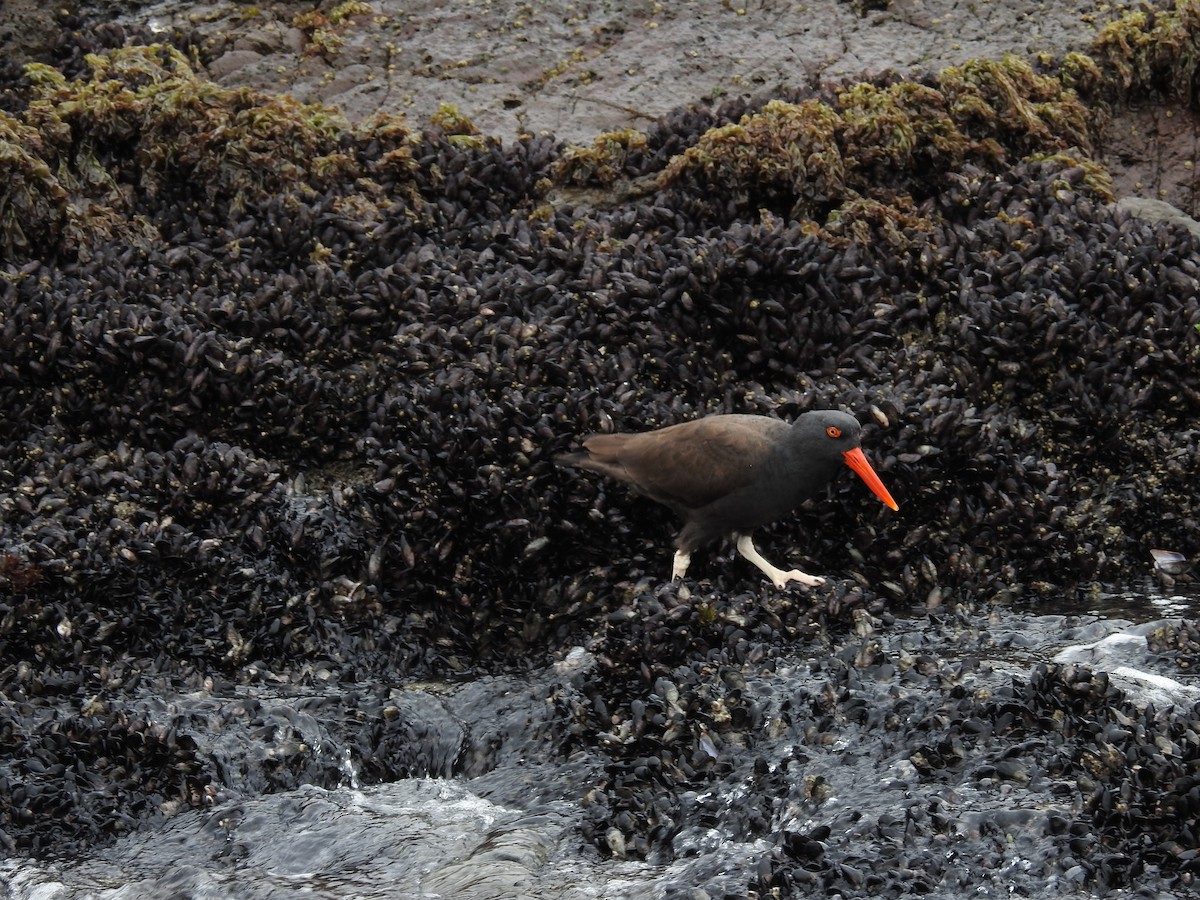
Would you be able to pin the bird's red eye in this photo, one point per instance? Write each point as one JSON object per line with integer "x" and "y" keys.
{"x": 833, "y": 431}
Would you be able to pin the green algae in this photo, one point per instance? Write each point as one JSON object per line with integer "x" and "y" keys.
{"x": 87, "y": 154}
{"x": 885, "y": 142}
{"x": 895, "y": 143}
{"x": 459, "y": 130}
{"x": 146, "y": 105}
{"x": 602, "y": 163}
{"x": 784, "y": 152}
{"x": 324, "y": 32}
{"x": 34, "y": 206}
{"x": 1006, "y": 102}
{"x": 1148, "y": 52}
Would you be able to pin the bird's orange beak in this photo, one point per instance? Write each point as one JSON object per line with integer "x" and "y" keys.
{"x": 858, "y": 462}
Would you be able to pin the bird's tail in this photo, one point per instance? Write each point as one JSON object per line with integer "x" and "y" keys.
{"x": 579, "y": 458}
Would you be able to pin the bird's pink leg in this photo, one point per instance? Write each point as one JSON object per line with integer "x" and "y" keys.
{"x": 680, "y": 565}
{"x": 778, "y": 577}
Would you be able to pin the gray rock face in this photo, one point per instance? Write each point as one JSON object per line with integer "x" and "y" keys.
{"x": 581, "y": 69}
{"x": 573, "y": 68}
{"x": 577, "y": 69}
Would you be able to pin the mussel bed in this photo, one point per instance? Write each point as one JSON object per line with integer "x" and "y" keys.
{"x": 280, "y": 399}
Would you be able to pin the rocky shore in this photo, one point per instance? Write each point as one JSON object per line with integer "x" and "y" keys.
{"x": 281, "y": 391}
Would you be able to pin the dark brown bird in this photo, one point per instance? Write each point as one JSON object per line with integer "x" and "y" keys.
{"x": 728, "y": 474}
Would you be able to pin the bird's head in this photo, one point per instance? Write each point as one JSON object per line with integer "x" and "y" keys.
{"x": 841, "y": 433}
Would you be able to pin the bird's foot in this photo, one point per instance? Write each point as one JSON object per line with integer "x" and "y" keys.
{"x": 780, "y": 579}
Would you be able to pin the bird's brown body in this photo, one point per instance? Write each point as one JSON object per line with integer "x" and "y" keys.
{"x": 726, "y": 475}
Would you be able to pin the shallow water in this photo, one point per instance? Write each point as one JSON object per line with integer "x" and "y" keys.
{"x": 1140, "y": 603}
{"x": 512, "y": 830}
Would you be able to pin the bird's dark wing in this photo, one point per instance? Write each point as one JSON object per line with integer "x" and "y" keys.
{"x": 690, "y": 465}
